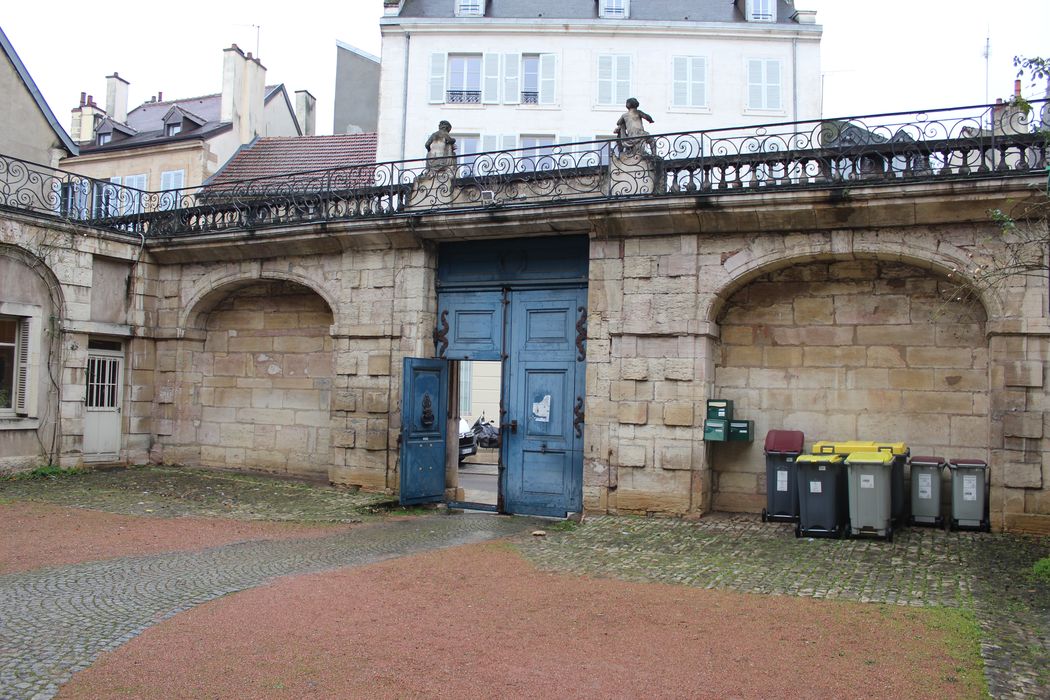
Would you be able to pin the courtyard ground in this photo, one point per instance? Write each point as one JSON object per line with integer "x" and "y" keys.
{"x": 265, "y": 588}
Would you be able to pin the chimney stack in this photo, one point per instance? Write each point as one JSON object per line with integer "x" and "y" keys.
{"x": 85, "y": 119}
{"x": 117, "y": 97}
{"x": 306, "y": 111}
{"x": 243, "y": 93}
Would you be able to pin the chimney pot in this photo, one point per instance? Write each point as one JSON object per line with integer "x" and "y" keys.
{"x": 1017, "y": 88}
{"x": 160, "y": 96}
{"x": 83, "y": 99}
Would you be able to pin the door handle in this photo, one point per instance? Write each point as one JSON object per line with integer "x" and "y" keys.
{"x": 513, "y": 425}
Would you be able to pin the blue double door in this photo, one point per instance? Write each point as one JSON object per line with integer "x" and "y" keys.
{"x": 538, "y": 335}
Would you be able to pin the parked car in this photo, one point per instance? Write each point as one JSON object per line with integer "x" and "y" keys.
{"x": 468, "y": 443}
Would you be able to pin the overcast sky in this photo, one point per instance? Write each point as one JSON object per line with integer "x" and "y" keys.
{"x": 892, "y": 55}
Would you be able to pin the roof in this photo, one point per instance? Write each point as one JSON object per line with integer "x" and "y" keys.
{"x": 148, "y": 121}
{"x": 41, "y": 103}
{"x": 284, "y": 155}
{"x": 654, "y": 10}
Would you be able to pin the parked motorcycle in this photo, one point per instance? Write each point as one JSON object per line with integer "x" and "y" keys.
{"x": 486, "y": 433}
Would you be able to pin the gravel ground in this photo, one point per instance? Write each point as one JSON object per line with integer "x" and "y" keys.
{"x": 480, "y": 621}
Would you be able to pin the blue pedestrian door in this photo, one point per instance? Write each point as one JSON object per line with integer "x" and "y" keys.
{"x": 424, "y": 411}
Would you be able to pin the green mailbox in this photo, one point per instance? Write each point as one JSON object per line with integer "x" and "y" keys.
{"x": 720, "y": 409}
{"x": 715, "y": 430}
{"x": 741, "y": 430}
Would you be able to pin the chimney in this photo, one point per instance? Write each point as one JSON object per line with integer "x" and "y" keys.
{"x": 117, "y": 97}
{"x": 85, "y": 119}
{"x": 805, "y": 16}
{"x": 305, "y": 111}
{"x": 243, "y": 93}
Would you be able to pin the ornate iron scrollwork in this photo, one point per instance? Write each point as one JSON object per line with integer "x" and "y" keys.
{"x": 427, "y": 417}
{"x": 581, "y": 334}
{"x": 441, "y": 335}
{"x": 577, "y": 417}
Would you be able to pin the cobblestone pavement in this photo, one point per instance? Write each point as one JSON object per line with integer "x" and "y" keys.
{"x": 54, "y": 622}
{"x": 985, "y": 574}
{"x": 180, "y": 491}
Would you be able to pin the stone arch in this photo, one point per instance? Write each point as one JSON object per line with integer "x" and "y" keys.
{"x": 211, "y": 289}
{"x": 749, "y": 264}
{"x": 40, "y": 267}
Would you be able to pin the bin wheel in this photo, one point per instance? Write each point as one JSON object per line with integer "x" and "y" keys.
{"x": 952, "y": 524}
{"x": 911, "y": 521}
{"x": 798, "y": 531}
{"x": 763, "y": 515}
{"x": 847, "y": 532}
{"x": 889, "y": 534}
{"x": 986, "y": 526}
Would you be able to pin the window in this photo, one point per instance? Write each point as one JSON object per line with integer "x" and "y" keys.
{"x": 762, "y": 10}
{"x": 614, "y": 79}
{"x": 19, "y": 352}
{"x": 470, "y": 8}
{"x": 690, "y": 81}
{"x": 763, "y": 84}
{"x": 614, "y": 9}
{"x": 538, "y": 153}
{"x": 103, "y": 139}
{"x": 172, "y": 129}
{"x": 115, "y": 200}
{"x": 464, "y": 79}
{"x": 530, "y": 79}
{"x": 171, "y": 182}
{"x": 466, "y": 376}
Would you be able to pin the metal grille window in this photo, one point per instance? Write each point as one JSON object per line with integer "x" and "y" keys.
{"x": 464, "y": 79}
{"x": 763, "y": 84}
{"x": 103, "y": 382}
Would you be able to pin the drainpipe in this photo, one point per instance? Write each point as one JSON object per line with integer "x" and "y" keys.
{"x": 794, "y": 78}
{"x": 404, "y": 95}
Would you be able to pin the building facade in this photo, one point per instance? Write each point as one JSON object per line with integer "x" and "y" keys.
{"x": 531, "y": 74}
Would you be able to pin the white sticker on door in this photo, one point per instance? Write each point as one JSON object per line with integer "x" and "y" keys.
{"x": 816, "y": 487}
{"x": 782, "y": 480}
{"x": 969, "y": 487}
{"x": 867, "y": 481}
{"x": 926, "y": 486}
{"x": 541, "y": 411}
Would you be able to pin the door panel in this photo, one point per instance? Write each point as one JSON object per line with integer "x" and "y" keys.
{"x": 543, "y": 455}
{"x": 470, "y": 326}
{"x": 424, "y": 414}
{"x": 102, "y": 413}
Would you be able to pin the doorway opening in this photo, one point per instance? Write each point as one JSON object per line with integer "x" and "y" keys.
{"x": 478, "y": 397}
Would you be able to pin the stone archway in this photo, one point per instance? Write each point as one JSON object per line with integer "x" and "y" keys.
{"x": 256, "y": 388}
{"x": 844, "y": 350}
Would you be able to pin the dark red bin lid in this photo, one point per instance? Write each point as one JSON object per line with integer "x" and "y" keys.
{"x": 785, "y": 441}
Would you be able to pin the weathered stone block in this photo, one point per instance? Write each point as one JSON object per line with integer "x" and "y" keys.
{"x": 674, "y": 457}
{"x": 377, "y": 401}
{"x": 1026, "y": 425}
{"x": 633, "y": 413}
{"x": 1024, "y": 374}
{"x": 634, "y": 368}
{"x": 1020, "y": 475}
{"x": 678, "y": 413}
{"x": 632, "y": 455}
{"x": 379, "y": 365}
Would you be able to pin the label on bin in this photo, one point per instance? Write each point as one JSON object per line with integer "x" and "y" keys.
{"x": 816, "y": 487}
{"x": 926, "y": 486}
{"x": 782, "y": 480}
{"x": 969, "y": 487}
{"x": 867, "y": 481}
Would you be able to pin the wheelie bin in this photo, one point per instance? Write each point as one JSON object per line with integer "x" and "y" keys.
{"x": 900, "y": 452}
{"x": 869, "y": 478}
{"x": 969, "y": 495}
{"x": 782, "y": 449}
{"x": 926, "y": 491}
{"x": 822, "y": 502}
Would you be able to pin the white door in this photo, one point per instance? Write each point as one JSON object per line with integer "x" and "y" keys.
{"x": 102, "y": 410}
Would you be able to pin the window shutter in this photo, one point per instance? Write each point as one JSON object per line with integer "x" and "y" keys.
{"x": 548, "y": 78}
{"x": 772, "y": 84}
{"x": 489, "y": 142}
{"x": 437, "y": 77}
{"x": 605, "y": 80}
{"x": 754, "y": 84}
{"x": 509, "y": 142}
{"x": 511, "y": 78}
{"x": 490, "y": 79}
{"x": 699, "y": 82}
{"x": 623, "y": 78}
{"x": 680, "y": 80}
{"x": 25, "y": 369}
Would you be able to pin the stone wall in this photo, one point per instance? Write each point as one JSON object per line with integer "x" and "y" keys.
{"x": 858, "y": 350}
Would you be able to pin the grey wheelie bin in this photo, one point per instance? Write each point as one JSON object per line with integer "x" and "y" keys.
{"x": 870, "y": 476}
{"x": 969, "y": 495}
{"x": 782, "y": 449}
{"x": 822, "y": 501}
{"x": 926, "y": 491}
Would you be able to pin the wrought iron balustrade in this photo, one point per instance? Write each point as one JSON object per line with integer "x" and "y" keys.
{"x": 965, "y": 143}
{"x": 463, "y": 97}
{"x": 530, "y": 97}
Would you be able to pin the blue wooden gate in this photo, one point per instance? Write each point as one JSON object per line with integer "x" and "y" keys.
{"x": 424, "y": 415}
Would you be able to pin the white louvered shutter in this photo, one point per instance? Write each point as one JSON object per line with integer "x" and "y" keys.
{"x": 509, "y": 142}
{"x": 437, "y": 77}
{"x": 772, "y": 84}
{"x": 511, "y": 78}
{"x": 605, "y": 80}
{"x": 623, "y": 78}
{"x": 548, "y": 78}
{"x": 22, "y": 368}
{"x": 490, "y": 78}
{"x": 755, "y": 86}
{"x": 680, "y": 81}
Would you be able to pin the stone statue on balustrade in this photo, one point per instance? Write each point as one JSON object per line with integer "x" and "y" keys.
{"x": 441, "y": 148}
{"x": 630, "y": 130}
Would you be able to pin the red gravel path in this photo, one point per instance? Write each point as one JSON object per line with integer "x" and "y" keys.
{"x": 37, "y": 534}
{"x": 481, "y": 621}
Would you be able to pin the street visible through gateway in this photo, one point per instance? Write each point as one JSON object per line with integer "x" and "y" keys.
{"x": 919, "y": 617}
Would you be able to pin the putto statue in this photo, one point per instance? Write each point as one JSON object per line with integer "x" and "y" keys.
{"x": 441, "y": 147}
{"x": 630, "y": 129}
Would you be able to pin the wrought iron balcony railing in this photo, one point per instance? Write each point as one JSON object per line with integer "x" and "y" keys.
{"x": 965, "y": 143}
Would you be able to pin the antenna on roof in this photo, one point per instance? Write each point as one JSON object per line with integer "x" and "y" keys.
{"x": 258, "y": 29}
{"x": 987, "y": 63}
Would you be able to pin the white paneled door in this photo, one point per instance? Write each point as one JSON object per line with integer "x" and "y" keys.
{"x": 102, "y": 405}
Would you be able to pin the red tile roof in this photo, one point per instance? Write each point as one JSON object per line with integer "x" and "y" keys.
{"x": 281, "y": 155}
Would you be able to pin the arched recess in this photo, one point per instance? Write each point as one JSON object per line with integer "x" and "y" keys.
{"x": 257, "y": 380}
{"x": 859, "y": 346}
{"x": 39, "y": 267}
{"x": 215, "y": 286}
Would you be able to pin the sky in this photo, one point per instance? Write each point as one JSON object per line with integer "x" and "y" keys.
{"x": 886, "y": 56}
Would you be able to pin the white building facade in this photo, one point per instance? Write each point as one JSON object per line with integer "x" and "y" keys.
{"x": 532, "y": 73}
